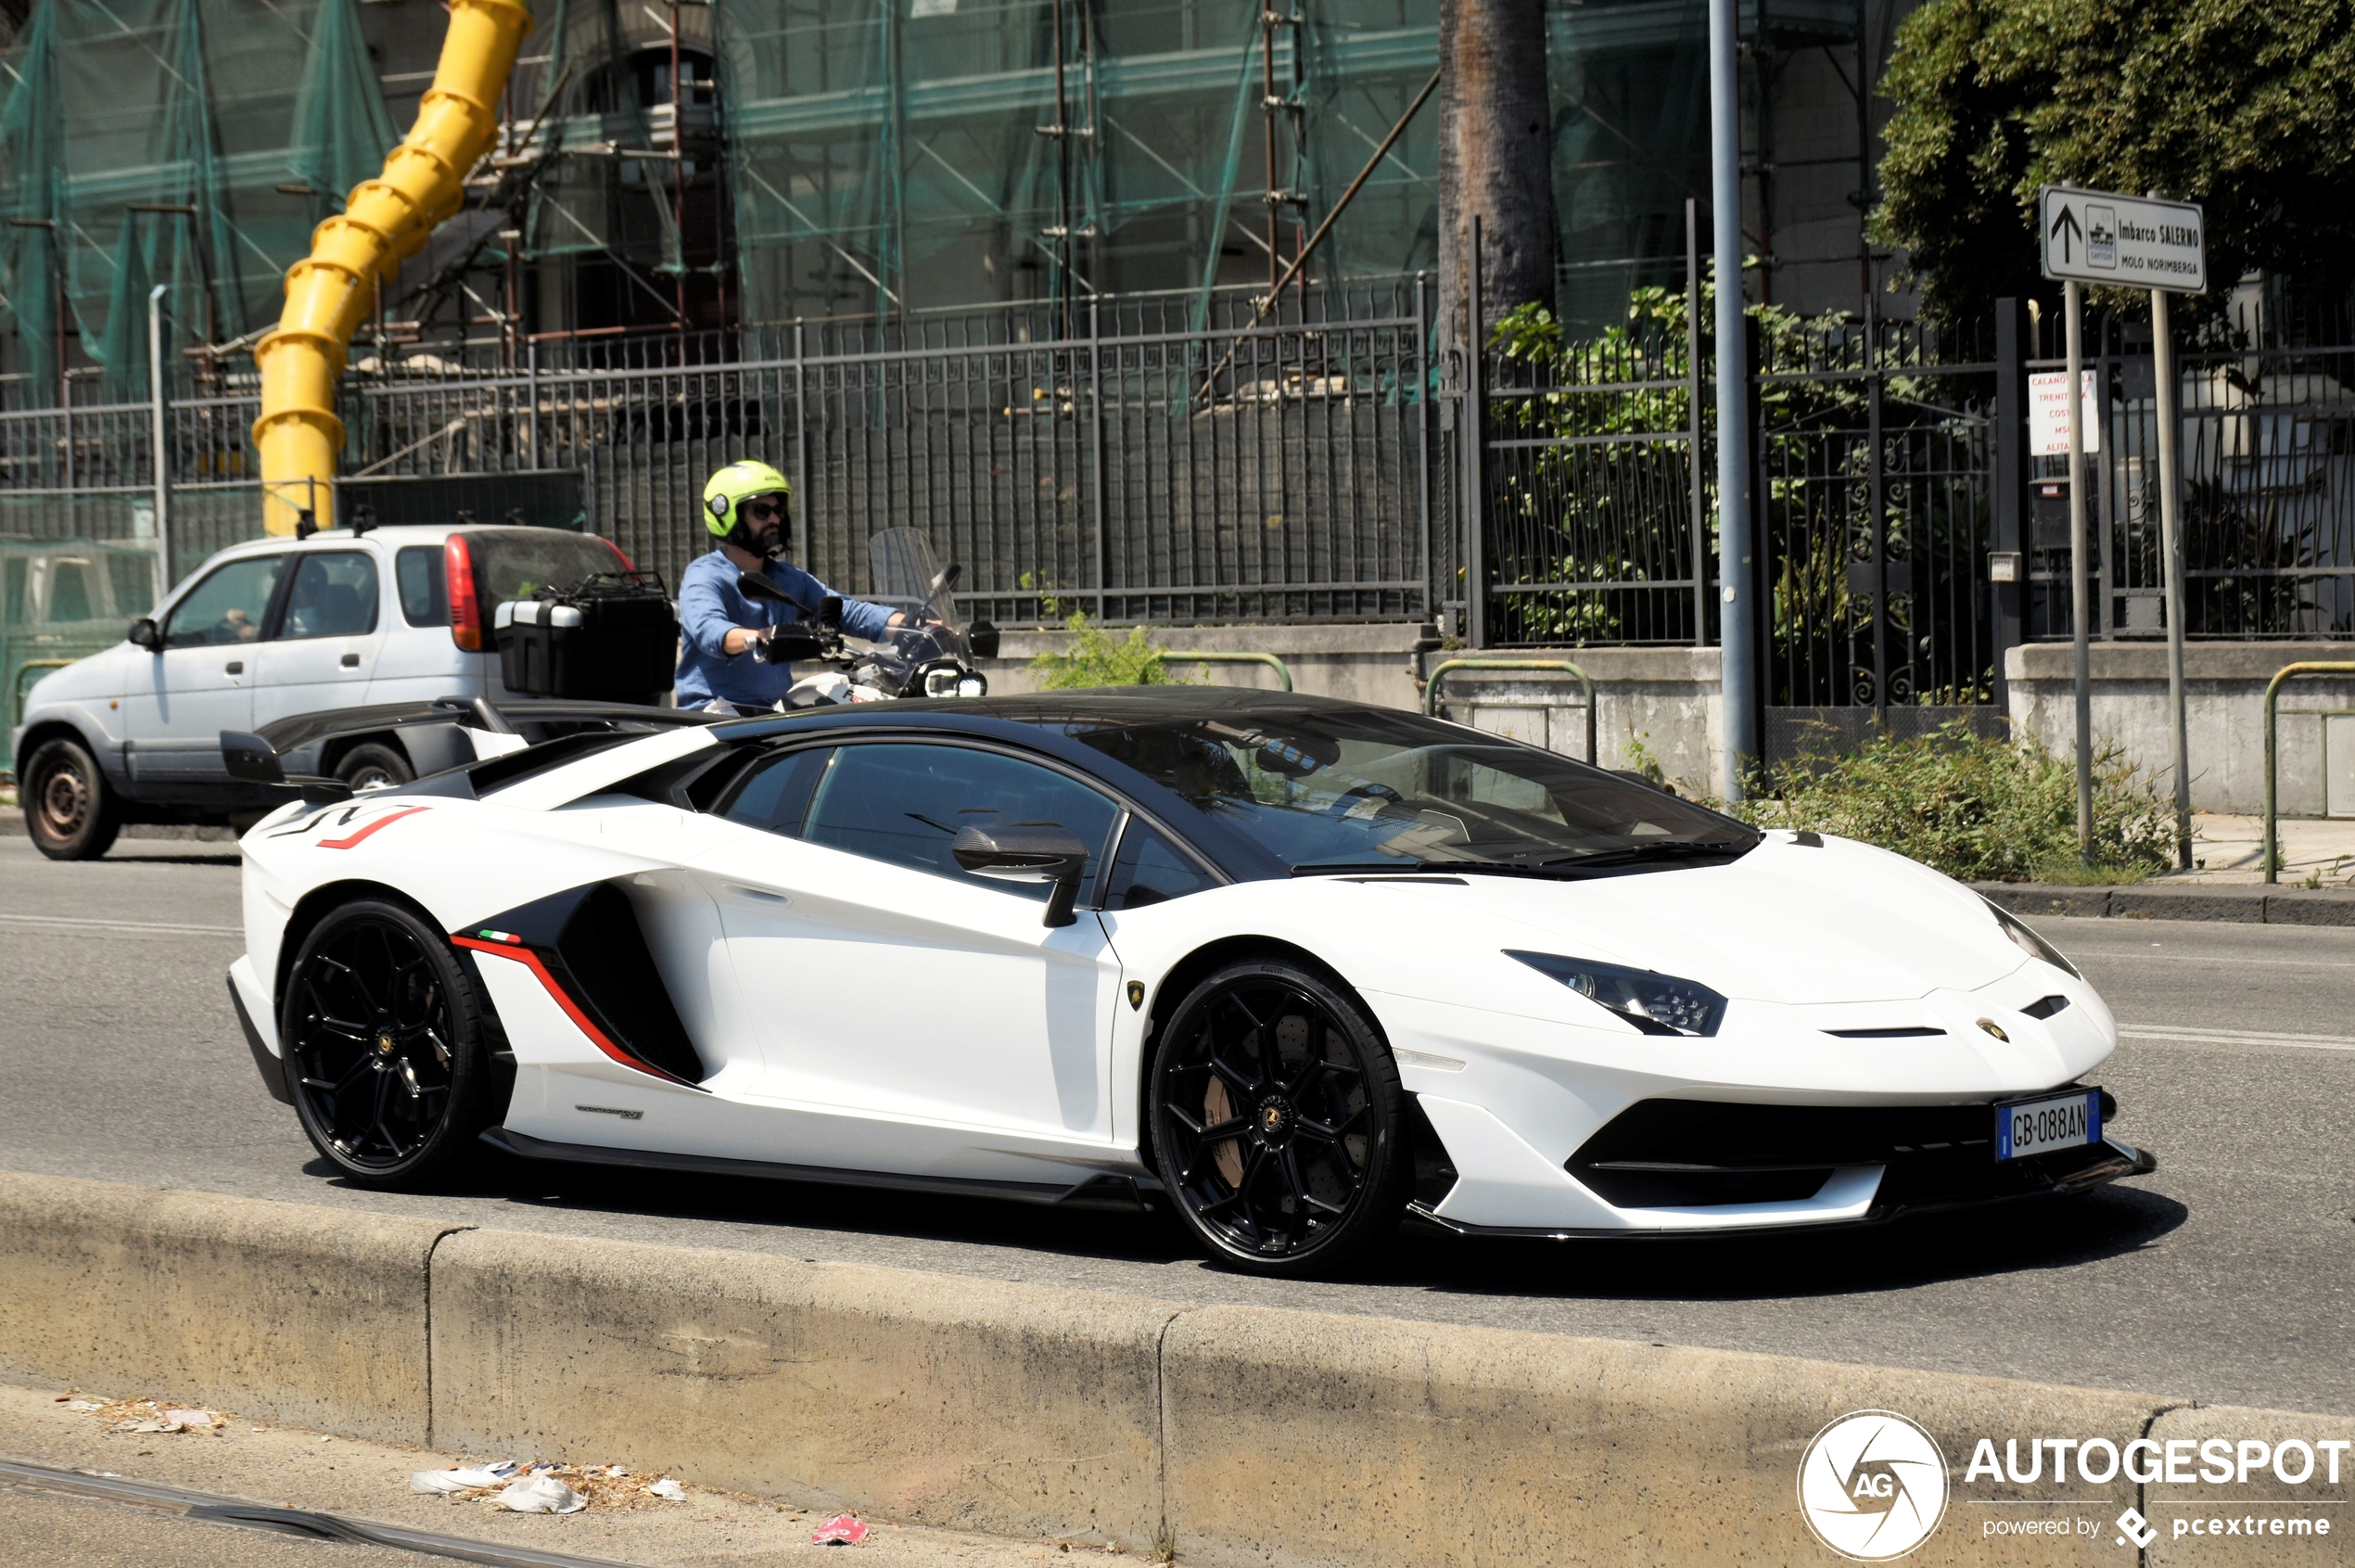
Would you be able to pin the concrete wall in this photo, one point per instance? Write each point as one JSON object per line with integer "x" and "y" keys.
{"x": 1242, "y": 1436}
{"x": 1666, "y": 697}
{"x": 2223, "y": 692}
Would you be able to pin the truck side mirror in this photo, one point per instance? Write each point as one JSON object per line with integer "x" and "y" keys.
{"x": 145, "y": 633}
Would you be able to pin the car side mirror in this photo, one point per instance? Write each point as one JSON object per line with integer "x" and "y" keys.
{"x": 982, "y": 638}
{"x": 1028, "y": 852}
{"x": 146, "y": 633}
{"x": 756, "y": 585}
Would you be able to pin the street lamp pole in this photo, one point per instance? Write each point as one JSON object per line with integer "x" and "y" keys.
{"x": 1738, "y": 626}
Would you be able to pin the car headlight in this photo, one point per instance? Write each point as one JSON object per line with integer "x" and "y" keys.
{"x": 1656, "y": 1003}
{"x": 2028, "y": 941}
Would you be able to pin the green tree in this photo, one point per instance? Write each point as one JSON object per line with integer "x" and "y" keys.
{"x": 2245, "y": 106}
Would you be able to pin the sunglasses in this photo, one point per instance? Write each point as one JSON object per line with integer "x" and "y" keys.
{"x": 761, "y": 511}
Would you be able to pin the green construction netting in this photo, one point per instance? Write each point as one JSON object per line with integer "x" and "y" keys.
{"x": 146, "y": 142}
{"x": 885, "y": 153}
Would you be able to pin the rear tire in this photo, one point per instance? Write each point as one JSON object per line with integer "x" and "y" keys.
{"x": 69, "y": 810}
{"x": 385, "y": 1048}
{"x": 1280, "y": 1128}
{"x": 366, "y": 766}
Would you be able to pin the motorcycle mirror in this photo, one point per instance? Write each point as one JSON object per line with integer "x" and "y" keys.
{"x": 755, "y": 585}
{"x": 947, "y": 579}
{"x": 1028, "y": 852}
{"x": 982, "y": 638}
{"x": 830, "y": 612}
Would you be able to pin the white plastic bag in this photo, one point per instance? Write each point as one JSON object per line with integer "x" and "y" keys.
{"x": 541, "y": 1494}
{"x": 668, "y": 1490}
{"x": 448, "y": 1481}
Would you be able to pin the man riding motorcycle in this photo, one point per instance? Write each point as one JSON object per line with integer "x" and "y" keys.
{"x": 747, "y": 511}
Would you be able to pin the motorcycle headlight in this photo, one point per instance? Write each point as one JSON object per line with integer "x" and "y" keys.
{"x": 971, "y": 686}
{"x": 1656, "y": 1003}
{"x": 2027, "y": 940}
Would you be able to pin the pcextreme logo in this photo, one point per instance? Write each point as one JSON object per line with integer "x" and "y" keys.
{"x": 1872, "y": 1485}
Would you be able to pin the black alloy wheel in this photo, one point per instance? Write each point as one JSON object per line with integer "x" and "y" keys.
{"x": 1279, "y": 1123}
{"x": 69, "y": 811}
{"x": 374, "y": 766}
{"x": 384, "y": 1047}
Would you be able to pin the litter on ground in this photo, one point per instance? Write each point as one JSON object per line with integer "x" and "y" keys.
{"x": 145, "y": 1418}
{"x": 541, "y": 1493}
{"x": 668, "y": 1490}
{"x": 842, "y": 1530}
{"x": 448, "y": 1481}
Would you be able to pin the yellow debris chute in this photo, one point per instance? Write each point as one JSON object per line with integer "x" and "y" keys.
{"x": 385, "y": 220}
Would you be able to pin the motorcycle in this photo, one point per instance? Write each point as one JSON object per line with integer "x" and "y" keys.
{"x": 930, "y": 654}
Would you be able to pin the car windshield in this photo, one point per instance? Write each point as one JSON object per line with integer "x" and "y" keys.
{"x": 1362, "y": 789}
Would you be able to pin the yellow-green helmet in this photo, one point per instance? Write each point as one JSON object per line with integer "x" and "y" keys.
{"x": 740, "y": 482}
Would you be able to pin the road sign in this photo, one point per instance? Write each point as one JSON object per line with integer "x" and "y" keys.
{"x": 2048, "y": 412}
{"x": 2126, "y": 241}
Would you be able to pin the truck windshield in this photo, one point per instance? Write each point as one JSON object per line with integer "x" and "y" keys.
{"x": 1372, "y": 790}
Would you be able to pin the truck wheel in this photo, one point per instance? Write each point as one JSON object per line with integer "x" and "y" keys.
{"x": 369, "y": 766}
{"x": 69, "y": 810}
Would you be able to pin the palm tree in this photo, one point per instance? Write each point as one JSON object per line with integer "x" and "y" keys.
{"x": 1496, "y": 156}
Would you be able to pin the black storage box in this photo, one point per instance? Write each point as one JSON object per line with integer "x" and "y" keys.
{"x": 612, "y": 638}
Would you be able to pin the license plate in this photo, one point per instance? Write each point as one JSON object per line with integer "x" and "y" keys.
{"x": 2057, "y": 1121}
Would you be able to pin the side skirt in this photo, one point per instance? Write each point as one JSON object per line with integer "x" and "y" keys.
{"x": 1104, "y": 1191}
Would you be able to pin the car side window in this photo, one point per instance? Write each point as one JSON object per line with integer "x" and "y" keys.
{"x": 1150, "y": 870}
{"x": 774, "y": 795}
{"x": 334, "y": 595}
{"x": 906, "y": 804}
{"x": 227, "y": 607}
{"x": 418, "y": 572}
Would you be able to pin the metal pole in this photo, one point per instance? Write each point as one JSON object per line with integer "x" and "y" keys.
{"x": 2170, "y": 544}
{"x": 2079, "y": 597}
{"x": 1692, "y": 421}
{"x": 1738, "y": 637}
{"x": 158, "y": 440}
{"x": 1095, "y": 439}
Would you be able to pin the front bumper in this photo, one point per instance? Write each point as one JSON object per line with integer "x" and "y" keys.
{"x": 1670, "y": 1166}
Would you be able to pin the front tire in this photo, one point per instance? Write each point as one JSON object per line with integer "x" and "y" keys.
{"x": 1279, "y": 1123}
{"x": 69, "y": 811}
{"x": 384, "y": 1045}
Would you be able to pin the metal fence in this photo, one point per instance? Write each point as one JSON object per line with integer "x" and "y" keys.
{"x": 2267, "y": 456}
{"x": 1147, "y": 464}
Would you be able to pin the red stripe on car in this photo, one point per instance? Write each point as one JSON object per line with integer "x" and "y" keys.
{"x": 377, "y": 826}
{"x": 597, "y": 1037}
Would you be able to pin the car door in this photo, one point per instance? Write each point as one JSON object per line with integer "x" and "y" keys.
{"x": 888, "y": 981}
{"x": 178, "y": 699}
{"x": 323, "y": 649}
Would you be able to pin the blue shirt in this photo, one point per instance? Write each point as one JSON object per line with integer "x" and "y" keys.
{"x": 710, "y": 605}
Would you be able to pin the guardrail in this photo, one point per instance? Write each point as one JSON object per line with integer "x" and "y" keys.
{"x": 2272, "y": 858}
{"x": 1284, "y": 671}
{"x": 1562, "y": 666}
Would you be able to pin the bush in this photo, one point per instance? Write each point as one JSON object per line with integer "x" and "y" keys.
{"x": 1098, "y": 658}
{"x": 1976, "y": 809}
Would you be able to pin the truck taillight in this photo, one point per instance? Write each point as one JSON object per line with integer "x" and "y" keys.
{"x": 466, "y": 610}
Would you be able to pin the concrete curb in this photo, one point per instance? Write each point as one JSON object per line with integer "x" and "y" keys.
{"x": 2251, "y": 904}
{"x": 1245, "y": 1435}
{"x": 1015, "y": 1410}
{"x": 308, "y": 1315}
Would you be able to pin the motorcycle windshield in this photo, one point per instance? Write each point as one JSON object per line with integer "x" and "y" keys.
{"x": 907, "y": 578}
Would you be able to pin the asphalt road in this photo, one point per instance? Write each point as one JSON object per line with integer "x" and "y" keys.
{"x": 2228, "y": 1276}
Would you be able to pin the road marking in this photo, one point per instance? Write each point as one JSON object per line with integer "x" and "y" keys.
{"x": 71, "y": 923}
{"x": 2183, "y": 1035}
{"x": 2097, "y": 954}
